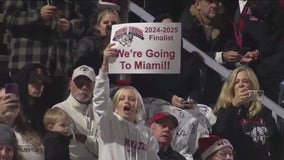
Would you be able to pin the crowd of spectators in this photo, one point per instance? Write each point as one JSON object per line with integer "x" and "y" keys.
{"x": 58, "y": 101}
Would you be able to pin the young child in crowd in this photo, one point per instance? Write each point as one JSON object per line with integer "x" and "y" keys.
{"x": 56, "y": 139}
{"x": 8, "y": 143}
{"x": 124, "y": 115}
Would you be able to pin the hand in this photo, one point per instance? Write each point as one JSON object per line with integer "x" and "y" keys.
{"x": 177, "y": 101}
{"x": 108, "y": 52}
{"x": 62, "y": 25}
{"x": 8, "y": 101}
{"x": 250, "y": 56}
{"x": 231, "y": 56}
{"x": 242, "y": 96}
{"x": 80, "y": 137}
{"x": 48, "y": 12}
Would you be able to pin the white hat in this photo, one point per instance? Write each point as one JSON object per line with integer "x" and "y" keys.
{"x": 84, "y": 71}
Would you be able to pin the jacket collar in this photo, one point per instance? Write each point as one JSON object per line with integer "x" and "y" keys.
{"x": 80, "y": 107}
{"x": 216, "y": 24}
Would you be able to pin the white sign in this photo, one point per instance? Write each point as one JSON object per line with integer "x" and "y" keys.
{"x": 146, "y": 48}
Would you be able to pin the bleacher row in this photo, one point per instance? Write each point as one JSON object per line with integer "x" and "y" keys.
{"x": 125, "y": 7}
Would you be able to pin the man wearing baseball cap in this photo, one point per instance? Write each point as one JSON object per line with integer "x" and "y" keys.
{"x": 163, "y": 126}
{"x": 79, "y": 107}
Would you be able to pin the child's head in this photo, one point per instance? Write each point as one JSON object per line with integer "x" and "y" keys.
{"x": 8, "y": 142}
{"x": 57, "y": 120}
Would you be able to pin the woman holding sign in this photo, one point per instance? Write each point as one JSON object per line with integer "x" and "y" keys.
{"x": 125, "y": 115}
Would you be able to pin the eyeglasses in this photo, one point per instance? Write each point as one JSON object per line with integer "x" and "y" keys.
{"x": 223, "y": 154}
{"x": 80, "y": 82}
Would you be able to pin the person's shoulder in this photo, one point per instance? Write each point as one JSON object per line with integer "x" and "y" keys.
{"x": 51, "y": 135}
{"x": 178, "y": 156}
{"x": 188, "y": 14}
{"x": 55, "y": 136}
{"x": 62, "y": 105}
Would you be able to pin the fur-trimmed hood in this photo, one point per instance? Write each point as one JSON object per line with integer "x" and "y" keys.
{"x": 216, "y": 23}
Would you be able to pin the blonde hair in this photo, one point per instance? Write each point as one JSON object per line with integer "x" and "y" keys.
{"x": 227, "y": 92}
{"x": 140, "y": 115}
{"x": 105, "y": 12}
{"x": 52, "y": 115}
{"x": 20, "y": 125}
{"x": 28, "y": 133}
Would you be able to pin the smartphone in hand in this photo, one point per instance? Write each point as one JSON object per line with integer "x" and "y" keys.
{"x": 256, "y": 95}
{"x": 12, "y": 88}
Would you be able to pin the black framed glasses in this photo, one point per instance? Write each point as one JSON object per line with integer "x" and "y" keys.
{"x": 224, "y": 153}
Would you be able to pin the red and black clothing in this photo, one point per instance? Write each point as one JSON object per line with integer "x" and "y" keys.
{"x": 260, "y": 26}
{"x": 255, "y": 138}
{"x": 221, "y": 39}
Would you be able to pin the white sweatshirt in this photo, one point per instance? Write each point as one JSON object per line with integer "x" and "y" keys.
{"x": 85, "y": 120}
{"x": 120, "y": 139}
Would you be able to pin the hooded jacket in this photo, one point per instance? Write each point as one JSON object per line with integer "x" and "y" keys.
{"x": 56, "y": 146}
{"x": 33, "y": 113}
{"x": 118, "y": 138}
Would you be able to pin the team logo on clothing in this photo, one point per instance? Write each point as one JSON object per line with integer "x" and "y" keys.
{"x": 125, "y": 35}
{"x": 256, "y": 129}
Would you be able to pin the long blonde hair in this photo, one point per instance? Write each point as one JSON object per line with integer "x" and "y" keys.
{"x": 227, "y": 92}
{"x": 140, "y": 115}
{"x": 106, "y": 11}
{"x": 28, "y": 133}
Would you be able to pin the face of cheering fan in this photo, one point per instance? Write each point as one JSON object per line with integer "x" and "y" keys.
{"x": 127, "y": 105}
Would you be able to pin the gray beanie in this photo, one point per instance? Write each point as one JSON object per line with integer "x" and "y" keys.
{"x": 7, "y": 135}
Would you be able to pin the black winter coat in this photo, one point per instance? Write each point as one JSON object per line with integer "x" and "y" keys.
{"x": 56, "y": 146}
